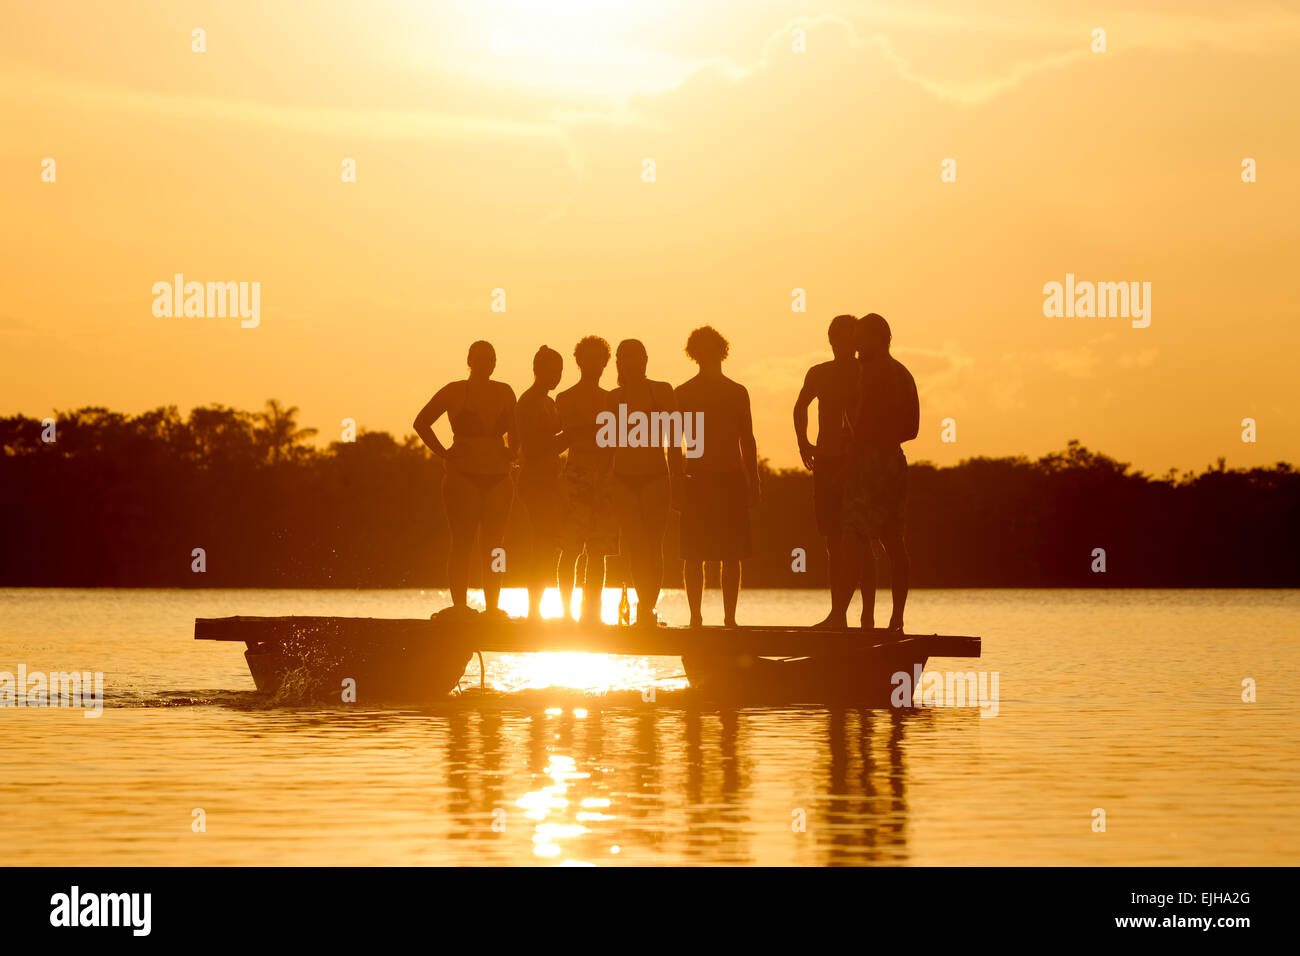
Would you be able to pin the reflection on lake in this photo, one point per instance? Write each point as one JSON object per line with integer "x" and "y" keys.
{"x": 684, "y": 786}
{"x": 1127, "y": 701}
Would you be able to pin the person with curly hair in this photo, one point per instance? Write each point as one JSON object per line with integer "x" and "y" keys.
{"x": 721, "y": 478}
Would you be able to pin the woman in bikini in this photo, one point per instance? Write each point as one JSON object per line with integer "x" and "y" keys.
{"x": 641, "y": 488}
{"x": 476, "y": 487}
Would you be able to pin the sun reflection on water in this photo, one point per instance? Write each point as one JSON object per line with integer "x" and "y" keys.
{"x": 550, "y": 799}
{"x": 586, "y": 672}
{"x": 565, "y": 823}
{"x": 595, "y": 674}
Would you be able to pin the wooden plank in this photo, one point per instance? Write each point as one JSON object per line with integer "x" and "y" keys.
{"x": 520, "y": 637}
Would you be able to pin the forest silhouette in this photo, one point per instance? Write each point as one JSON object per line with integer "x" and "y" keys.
{"x": 122, "y": 501}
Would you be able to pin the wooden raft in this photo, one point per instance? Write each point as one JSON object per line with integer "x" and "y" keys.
{"x": 521, "y": 636}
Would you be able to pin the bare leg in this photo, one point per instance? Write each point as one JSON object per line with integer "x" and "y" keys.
{"x": 544, "y": 573}
{"x": 492, "y": 531}
{"x": 648, "y": 578}
{"x": 900, "y": 571}
{"x": 461, "y": 500}
{"x": 458, "y": 567}
{"x": 841, "y": 574}
{"x": 867, "y": 580}
{"x": 841, "y": 566}
{"x": 593, "y": 588}
{"x": 730, "y": 591}
{"x": 491, "y": 579}
{"x": 536, "y": 586}
{"x": 567, "y": 572}
{"x": 559, "y": 579}
{"x": 693, "y": 579}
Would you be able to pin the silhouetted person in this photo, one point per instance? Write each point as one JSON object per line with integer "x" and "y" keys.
{"x": 476, "y": 488}
{"x": 888, "y": 415}
{"x": 588, "y": 523}
{"x": 834, "y": 385}
{"x": 642, "y": 493}
{"x": 721, "y": 482}
{"x": 541, "y": 440}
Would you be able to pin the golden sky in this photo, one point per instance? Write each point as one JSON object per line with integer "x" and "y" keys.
{"x": 501, "y": 145}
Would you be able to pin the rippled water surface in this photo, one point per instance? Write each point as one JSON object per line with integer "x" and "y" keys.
{"x": 1128, "y": 702}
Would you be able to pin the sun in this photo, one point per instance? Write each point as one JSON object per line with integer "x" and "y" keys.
{"x": 597, "y": 49}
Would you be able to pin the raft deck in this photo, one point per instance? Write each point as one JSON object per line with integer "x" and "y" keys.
{"x": 517, "y": 636}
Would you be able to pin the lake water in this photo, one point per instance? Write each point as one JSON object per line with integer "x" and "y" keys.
{"x": 1129, "y": 702}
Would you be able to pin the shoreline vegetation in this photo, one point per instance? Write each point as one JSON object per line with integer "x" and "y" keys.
{"x": 122, "y": 501}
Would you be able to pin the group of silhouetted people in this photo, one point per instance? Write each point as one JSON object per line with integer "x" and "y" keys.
{"x": 587, "y": 497}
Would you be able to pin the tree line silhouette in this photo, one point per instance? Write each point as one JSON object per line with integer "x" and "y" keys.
{"x": 122, "y": 501}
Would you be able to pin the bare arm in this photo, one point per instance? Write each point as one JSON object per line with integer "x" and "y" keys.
{"x": 910, "y": 418}
{"x": 564, "y": 438}
{"x": 748, "y": 446}
{"x": 558, "y": 440}
{"x": 512, "y": 428}
{"x": 423, "y": 425}
{"x": 807, "y": 451}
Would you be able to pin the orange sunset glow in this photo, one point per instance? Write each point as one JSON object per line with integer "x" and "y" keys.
{"x": 650, "y": 435}
{"x": 502, "y": 146}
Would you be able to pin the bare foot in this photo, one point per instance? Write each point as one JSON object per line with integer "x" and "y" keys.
{"x": 833, "y": 622}
{"x": 456, "y": 611}
{"x": 730, "y": 622}
{"x": 697, "y": 621}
